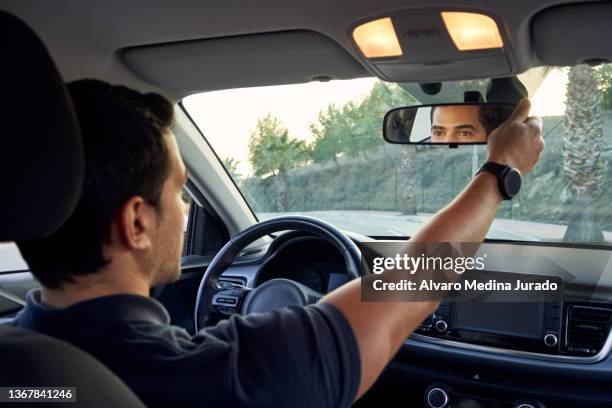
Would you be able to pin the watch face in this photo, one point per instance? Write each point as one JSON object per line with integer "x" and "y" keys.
{"x": 512, "y": 182}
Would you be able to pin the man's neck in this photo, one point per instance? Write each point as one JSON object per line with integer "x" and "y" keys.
{"x": 94, "y": 286}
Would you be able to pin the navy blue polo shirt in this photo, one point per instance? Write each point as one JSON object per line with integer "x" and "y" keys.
{"x": 297, "y": 356}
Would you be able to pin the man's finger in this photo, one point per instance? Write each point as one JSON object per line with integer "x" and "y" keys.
{"x": 521, "y": 112}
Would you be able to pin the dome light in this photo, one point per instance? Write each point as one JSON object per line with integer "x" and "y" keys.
{"x": 472, "y": 31}
{"x": 377, "y": 39}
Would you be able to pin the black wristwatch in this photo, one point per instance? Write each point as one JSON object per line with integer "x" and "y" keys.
{"x": 508, "y": 178}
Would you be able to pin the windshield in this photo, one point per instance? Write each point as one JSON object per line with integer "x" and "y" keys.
{"x": 317, "y": 149}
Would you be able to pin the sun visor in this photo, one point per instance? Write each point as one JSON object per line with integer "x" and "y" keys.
{"x": 434, "y": 45}
{"x": 243, "y": 61}
{"x": 571, "y": 34}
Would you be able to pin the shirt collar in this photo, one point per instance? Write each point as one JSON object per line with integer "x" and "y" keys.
{"x": 99, "y": 312}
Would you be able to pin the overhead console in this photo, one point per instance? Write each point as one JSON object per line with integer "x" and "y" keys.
{"x": 547, "y": 328}
{"x": 434, "y": 44}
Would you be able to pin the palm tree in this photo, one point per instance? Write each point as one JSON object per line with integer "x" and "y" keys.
{"x": 582, "y": 147}
{"x": 273, "y": 151}
{"x": 408, "y": 172}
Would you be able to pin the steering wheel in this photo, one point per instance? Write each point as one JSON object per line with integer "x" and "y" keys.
{"x": 225, "y": 298}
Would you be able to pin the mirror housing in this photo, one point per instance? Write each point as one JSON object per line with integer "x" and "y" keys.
{"x": 444, "y": 124}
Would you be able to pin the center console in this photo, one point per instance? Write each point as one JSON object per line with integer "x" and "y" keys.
{"x": 533, "y": 327}
{"x": 548, "y": 328}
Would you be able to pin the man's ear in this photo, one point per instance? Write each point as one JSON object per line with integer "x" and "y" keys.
{"x": 136, "y": 221}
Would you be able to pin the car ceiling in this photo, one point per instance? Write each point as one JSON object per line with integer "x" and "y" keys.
{"x": 96, "y": 39}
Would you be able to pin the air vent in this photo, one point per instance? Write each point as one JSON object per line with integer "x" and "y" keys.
{"x": 587, "y": 329}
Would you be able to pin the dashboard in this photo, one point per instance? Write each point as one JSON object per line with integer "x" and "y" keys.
{"x": 549, "y": 352}
{"x": 310, "y": 261}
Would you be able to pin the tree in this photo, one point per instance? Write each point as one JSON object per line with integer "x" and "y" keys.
{"x": 231, "y": 165}
{"x": 365, "y": 122}
{"x": 388, "y": 95}
{"x": 273, "y": 151}
{"x": 408, "y": 172}
{"x": 582, "y": 163}
{"x": 603, "y": 74}
{"x": 355, "y": 129}
{"x": 328, "y": 135}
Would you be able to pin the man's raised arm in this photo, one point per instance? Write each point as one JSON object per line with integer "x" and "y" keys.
{"x": 380, "y": 328}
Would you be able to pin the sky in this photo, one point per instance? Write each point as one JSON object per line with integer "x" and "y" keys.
{"x": 228, "y": 117}
{"x": 549, "y": 99}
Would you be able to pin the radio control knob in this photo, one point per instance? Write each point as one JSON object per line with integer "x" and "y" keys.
{"x": 441, "y": 326}
{"x": 551, "y": 340}
{"x": 437, "y": 398}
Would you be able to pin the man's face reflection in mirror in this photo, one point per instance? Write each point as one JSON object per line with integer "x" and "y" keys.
{"x": 460, "y": 123}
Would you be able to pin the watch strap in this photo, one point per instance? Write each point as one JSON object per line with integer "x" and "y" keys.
{"x": 499, "y": 171}
{"x": 494, "y": 168}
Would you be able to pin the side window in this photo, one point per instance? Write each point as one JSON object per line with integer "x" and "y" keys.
{"x": 204, "y": 232}
{"x": 10, "y": 258}
{"x": 188, "y": 203}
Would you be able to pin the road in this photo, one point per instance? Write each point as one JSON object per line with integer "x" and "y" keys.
{"x": 381, "y": 223}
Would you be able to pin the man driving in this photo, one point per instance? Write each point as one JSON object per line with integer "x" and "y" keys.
{"x": 463, "y": 123}
{"x": 125, "y": 237}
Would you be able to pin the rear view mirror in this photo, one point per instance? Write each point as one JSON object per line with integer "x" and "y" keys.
{"x": 444, "y": 124}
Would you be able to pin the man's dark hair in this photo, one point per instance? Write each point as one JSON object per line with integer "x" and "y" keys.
{"x": 125, "y": 156}
{"x": 489, "y": 116}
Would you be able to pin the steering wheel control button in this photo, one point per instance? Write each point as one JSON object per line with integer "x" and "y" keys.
{"x": 528, "y": 404}
{"x": 550, "y": 340}
{"x": 441, "y": 326}
{"x": 226, "y": 310}
{"x": 437, "y": 397}
{"x": 226, "y": 300}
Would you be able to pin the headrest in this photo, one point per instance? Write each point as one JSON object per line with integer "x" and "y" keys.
{"x": 41, "y": 152}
